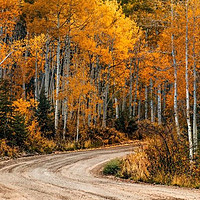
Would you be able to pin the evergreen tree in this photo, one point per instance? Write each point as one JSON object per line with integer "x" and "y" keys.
{"x": 19, "y": 131}
{"x": 44, "y": 116}
{"x": 6, "y": 109}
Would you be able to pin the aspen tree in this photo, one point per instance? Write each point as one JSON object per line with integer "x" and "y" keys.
{"x": 187, "y": 83}
{"x": 146, "y": 102}
{"x": 159, "y": 105}
{"x": 195, "y": 133}
{"x": 175, "y": 71}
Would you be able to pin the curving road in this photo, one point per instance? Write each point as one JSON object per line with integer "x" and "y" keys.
{"x": 72, "y": 176}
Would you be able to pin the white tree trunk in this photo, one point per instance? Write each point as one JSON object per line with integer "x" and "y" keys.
{"x": 151, "y": 101}
{"x": 175, "y": 73}
{"x": 139, "y": 106}
{"x": 1, "y": 72}
{"x": 159, "y": 105}
{"x": 78, "y": 121}
{"x": 24, "y": 74}
{"x": 146, "y": 102}
{"x": 124, "y": 100}
{"x": 47, "y": 71}
{"x": 187, "y": 88}
{"x": 195, "y": 133}
{"x": 131, "y": 92}
{"x": 116, "y": 108}
{"x": 136, "y": 87}
{"x": 57, "y": 86}
{"x": 92, "y": 77}
{"x": 105, "y": 105}
{"x": 36, "y": 78}
{"x": 66, "y": 75}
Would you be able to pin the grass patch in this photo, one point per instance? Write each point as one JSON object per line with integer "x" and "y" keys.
{"x": 112, "y": 167}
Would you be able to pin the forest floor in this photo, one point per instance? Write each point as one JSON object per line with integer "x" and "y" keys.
{"x": 76, "y": 176}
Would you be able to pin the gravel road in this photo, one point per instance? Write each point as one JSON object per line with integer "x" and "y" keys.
{"x": 73, "y": 176}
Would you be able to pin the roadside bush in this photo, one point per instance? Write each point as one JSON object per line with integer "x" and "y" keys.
{"x": 164, "y": 160}
{"x": 6, "y": 150}
{"x": 36, "y": 143}
{"x": 112, "y": 167}
{"x": 135, "y": 166}
{"x": 96, "y": 136}
{"x": 126, "y": 125}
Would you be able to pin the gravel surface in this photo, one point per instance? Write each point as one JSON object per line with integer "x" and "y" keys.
{"x": 74, "y": 176}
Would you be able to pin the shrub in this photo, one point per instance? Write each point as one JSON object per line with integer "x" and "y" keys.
{"x": 126, "y": 125}
{"x": 92, "y": 136}
{"x": 6, "y": 150}
{"x": 165, "y": 159}
{"x": 135, "y": 166}
{"x": 112, "y": 167}
{"x": 36, "y": 143}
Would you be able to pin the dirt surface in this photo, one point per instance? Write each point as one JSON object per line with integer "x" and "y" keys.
{"x": 71, "y": 176}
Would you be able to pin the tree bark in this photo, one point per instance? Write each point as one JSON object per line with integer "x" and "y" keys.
{"x": 146, "y": 102}
{"x": 105, "y": 105}
{"x": 175, "y": 72}
{"x": 47, "y": 71}
{"x": 187, "y": 88}
{"x": 159, "y": 105}
{"x": 139, "y": 105}
{"x": 36, "y": 77}
{"x": 195, "y": 133}
{"x": 124, "y": 100}
{"x": 66, "y": 75}
{"x": 57, "y": 78}
{"x": 136, "y": 87}
{"x": 131, "y": 92}
{"x": 151, "y": 101}
{"x": 116, "y": 108}
{"x": 78, "y": 121}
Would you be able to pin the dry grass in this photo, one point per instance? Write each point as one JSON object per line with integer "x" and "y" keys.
{"x": 135, "y": 166}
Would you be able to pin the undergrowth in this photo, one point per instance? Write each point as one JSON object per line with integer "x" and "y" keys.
{"x": 163, "y": 160}
{"x": 113, "y": 167}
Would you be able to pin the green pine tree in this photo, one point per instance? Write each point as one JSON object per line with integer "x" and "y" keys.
{"x": 45, "y": 116}
{"x": 19, "y": 131}
{"x": 6, "y": 109}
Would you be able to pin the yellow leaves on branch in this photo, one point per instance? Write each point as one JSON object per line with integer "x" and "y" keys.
{"x": 25, "y": 108}
{"x": 9, "y": 12}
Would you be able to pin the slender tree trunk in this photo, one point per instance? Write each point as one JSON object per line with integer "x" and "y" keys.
{"x": 159, "y": 105}
{"x": 47, "y": 71}
{"x": 92, "y": 76}
{"x": 1, "y": 72}
{"x": 78, "y": 121}
{"x": 66, "y": 83}
{"x": 195, "y": 133}
{"x": 105, "y": 105}
{"x": 24, "y": 74}
{"x": 99, "y": 107}
{"x": 175, "y": 73}
{"x": 187, "y": 88}
{"x": 57, "y": 84}
{"x": 146, "y": 102}
{"x": 131, "y": 92}
{"x": 116, "y": 108}
{"x": 151, "y": 102}
{"x": 36, "y": 77}
{"x": 164, "y": 101}
{"x": 136, "y": 87}
{"x": 139, "y": 105}
{"x": 124, "y": 100}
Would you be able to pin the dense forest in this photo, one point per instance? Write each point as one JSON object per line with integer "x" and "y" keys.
{"x": 82, "y": 73}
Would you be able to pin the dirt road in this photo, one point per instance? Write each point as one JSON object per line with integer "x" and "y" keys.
{"x": 71, "y": 176}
